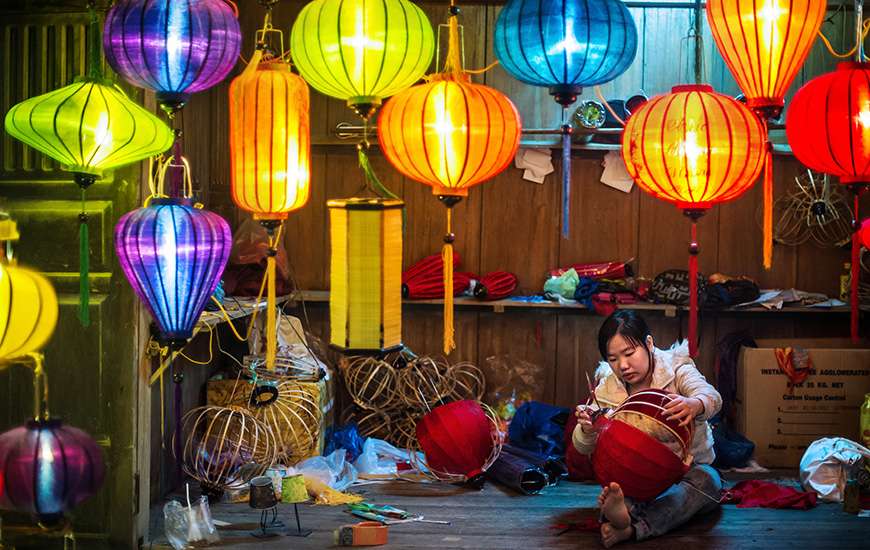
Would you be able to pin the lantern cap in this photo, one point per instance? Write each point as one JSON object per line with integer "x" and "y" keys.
{"x": 172, "y": 201}
{"x": 365, "y": 203}
{"x": 172, "y": 102}
{"x": 364, "y": 106}
{"x": 41, "y": 423}
{"x": 694, "y": 208}
{"x": 853, "y": 66}
{"x": 8, "y": 228}
{"x": 566, "y": 94}
{"x": 692, "y": 88}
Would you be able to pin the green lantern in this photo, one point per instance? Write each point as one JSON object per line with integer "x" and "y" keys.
{"x": 89, "y": 127}
{"x": 362, "y": 51}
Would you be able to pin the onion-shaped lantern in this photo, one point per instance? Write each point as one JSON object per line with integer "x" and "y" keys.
{"x": 764, "y": 45}
{"x": 362, "y": 51}
{"x": 47, "y": 468}
{"x": 828, "y": 128}
{"x": 565, "y": 45}
{"x": 450, "y": 134}
{"x": 694, "y": 148}
{"x": 174, "y": 48}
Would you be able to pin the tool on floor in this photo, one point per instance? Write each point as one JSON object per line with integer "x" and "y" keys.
{"x": 386, "y": 514}
{"x": 365, "y": 533}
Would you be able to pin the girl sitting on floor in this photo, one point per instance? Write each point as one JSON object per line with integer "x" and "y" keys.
{"x": 631, "y": 364}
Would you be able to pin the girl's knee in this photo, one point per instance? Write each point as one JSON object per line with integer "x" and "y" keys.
{"x": 707, "y": 478}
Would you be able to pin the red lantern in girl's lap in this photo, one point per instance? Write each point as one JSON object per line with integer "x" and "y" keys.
{"x": 640, "y": 450}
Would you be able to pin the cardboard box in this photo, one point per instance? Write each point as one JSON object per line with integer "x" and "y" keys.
{"x": 782, "y": 418}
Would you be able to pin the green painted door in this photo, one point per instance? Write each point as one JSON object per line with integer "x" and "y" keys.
{"x": 91, "y": 371}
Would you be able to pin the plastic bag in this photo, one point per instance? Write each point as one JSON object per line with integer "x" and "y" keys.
{"x": 827, "y": 463}
{"x": 333, "y": 470}
{"x": 189, "y": 527}
{"x": 380, "y": 458}
{"x": 345, "y": 437}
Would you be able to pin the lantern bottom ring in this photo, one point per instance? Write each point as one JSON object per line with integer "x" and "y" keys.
{"x": 566, "y": 94}
{"x": 364, "y": 351}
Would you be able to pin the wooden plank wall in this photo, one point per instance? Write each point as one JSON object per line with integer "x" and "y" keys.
{"x": 513, "y": 224}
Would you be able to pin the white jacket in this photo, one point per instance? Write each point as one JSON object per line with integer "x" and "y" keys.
{"x": 675, "y": 372}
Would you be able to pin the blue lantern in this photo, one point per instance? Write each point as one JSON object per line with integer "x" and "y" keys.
{"x": 173, "y": 255}
{"x": 565, "y": 44}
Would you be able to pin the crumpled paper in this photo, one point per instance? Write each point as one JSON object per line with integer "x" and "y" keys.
{"x": 537, "y": 163}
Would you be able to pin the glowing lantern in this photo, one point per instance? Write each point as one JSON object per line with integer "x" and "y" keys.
{"x": 828, "y": 128}
{"x": 362, "y": 51}
{"x": 451, "y": 135}
{"x": 694, "y": 148}
{"x": 89, "y": 127}
{"x": 365, "y": 300}
{"x": 864, "y": 233}
{"x": 174, "y": 48}
{"x": 565, "y": 45}
{"x": 765, "y": 43}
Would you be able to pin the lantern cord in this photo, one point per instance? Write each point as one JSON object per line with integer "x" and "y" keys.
{"x": 566, "y": 177}
{"x": 865, "y": 28}
{"x": 693, "y": 290}
{"x": 371, "y": 178}
{"x": 271, "y": 323}
{"x": 447, "y": 261}
{"x": 483, "y": 70}
{"x": 40, "y": 386}
{"x": 768, "y": 200}
{"x": 854, "y": 299}
{"x": 84, "y": 314}
{"x": 607, "y": 105}
{"x": 94, "y": 45}
{"x": 177, "y": 433}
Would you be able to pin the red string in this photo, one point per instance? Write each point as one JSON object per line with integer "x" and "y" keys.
{"x": 853, "y": 295}
{"x": 693, "y": 292}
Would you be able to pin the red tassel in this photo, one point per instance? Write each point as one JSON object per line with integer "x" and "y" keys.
{"x": 693, "y": 292}
{"x": 856, "y": 274}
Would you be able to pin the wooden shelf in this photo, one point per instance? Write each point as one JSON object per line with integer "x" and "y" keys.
{"x": 499, "y": 306}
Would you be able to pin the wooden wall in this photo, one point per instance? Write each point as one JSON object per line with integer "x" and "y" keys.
{"x": 513, "y": 224}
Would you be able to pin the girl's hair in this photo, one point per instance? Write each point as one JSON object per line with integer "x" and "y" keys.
{"x": 627, "y": 324}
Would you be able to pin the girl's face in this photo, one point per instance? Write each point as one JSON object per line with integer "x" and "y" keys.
{"x": 629, "y": 361}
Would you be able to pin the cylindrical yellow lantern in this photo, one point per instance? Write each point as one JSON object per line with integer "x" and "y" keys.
{"x": 270, "y": 145}
{"x": 365, "y": 304}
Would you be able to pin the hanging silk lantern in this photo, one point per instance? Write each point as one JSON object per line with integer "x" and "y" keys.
{"x": 365, "y": 300}
{"x": 89, "y": 127}
{"x": 694, "y": 148}
{"x": 864, "y": 233}
{"x": 828, "y": 128}
{"x": 28, "y": 304}
{"x": 362, "y": 51}
{"x": 173, "y": 256}
{"x": 270, "y": 150}
{"x": 174, "y": 48}
{"x": 459, "y": 441}
{"x": 46, "y": 469}
{"x": 765, "y": 43}
{"x": 565, "y": 46}
{"x": 451, "y": 135}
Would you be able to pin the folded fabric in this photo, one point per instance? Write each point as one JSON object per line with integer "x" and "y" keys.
{"x": 755, "y": 493}
{"x": 586, "y": 287}
{"x": 606, "y": 303}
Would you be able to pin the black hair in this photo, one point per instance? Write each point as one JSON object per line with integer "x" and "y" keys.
{"x": 627, "y": 324}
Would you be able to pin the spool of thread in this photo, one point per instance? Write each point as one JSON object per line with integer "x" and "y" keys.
{"x": 293, "y": 489}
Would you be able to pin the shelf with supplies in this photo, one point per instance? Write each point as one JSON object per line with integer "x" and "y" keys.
{"x": 500, "y": 306}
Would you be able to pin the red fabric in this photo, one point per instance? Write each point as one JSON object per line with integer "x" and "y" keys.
{"x": 585, "y": 525}
{"x": 431, "y": 286}
{"x": 427, "y": 267}
{"x": 606, "y": 303}
{"x": 579, "y": 465}
{"x": 457, "y": 438}
{"x": 596, "y": 270}
{"x": 755, "y": 493}
{"x": 495, "y": 285}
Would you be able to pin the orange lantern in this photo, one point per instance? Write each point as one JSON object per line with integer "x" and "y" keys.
{"x": 270, "y": 150}
{"x": 765, "y": 43}
{"x": 450, "y": 134}
{"x": 694, "y": 148}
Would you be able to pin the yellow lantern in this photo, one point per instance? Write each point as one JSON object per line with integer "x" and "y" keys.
{"x": 28, "y": 305}
{"x": 365, "y": 304}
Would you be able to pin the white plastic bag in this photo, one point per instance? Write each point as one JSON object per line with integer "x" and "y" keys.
{"x": 334, "y": 470}
{"x": 826, "y": 464}
{"x": 379, "y": 458}
{"x": 189, "y": 526}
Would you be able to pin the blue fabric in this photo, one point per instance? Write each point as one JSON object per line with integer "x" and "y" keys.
{"x": 347, "y": 438}
{"x": 586, "y": 288}
{"x": 539, "y": 427}
{"x": 693, "y": 495}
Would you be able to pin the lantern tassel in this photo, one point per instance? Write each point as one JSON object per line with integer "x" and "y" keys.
{"x": 453, "y": 61}
{"x": 271, "y": 328}
{"x": 566, "y": 182}
{"x": 84, "y": 271}
{"x": 768, "y": 206}
{"x": 370, "y": 175}
{"x": 854, "y": 300}
{"x": 447, "y": 261}
{"x": 693, "y": 291}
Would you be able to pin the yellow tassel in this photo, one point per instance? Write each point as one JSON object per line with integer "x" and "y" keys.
{"x": 447, "y": 260}
{"x": 768, "y": 209}
{"x": 271, "y": 328}
{"x": 453, "y": 61}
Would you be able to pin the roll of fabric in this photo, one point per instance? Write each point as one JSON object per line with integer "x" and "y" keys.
{"x": 552, "y": 466}
{"x": 518, "y": 474}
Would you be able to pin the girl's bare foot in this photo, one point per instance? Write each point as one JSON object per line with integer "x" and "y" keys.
{"x": 612, "y": 504}
{"x": 610, "y": 535}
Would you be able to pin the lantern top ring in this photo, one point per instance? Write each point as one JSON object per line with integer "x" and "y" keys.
{"x": 692, "y": 88}
{"x": 359, "y": 203}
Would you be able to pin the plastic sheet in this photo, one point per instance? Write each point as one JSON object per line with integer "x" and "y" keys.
{"x": 189, "y": 527}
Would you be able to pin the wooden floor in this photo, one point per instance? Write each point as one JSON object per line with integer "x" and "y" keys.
{"x": 496, "y": 518}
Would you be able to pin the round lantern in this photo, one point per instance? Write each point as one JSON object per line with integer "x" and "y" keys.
{"x": 459, "y": 440}
{"x": 828, "y": 129}
{"x": 864, "y": 234}
{"x": 451, "y": 135}
{"x": 764, "y": 45}
{"x": 47, "y": 468}
{"x": 174, "y": 48}
{"x": 362, "y": 50}
{"x": 694, "y": 148}
{"x": 639, "y": 449}
{"x": 173, "y": 255}
{"x": 28, "y": 311}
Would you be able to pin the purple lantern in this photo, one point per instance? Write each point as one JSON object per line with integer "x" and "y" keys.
{"x": 174, "y": 47}
{"x": 173, "y": 255}
{"x": 47, "y": 468}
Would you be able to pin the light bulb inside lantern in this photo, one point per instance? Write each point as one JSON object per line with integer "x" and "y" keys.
{"x": 863, "y": 118}
{"x": 770, "y": 15}
{"x": 175, "y": 46}
{"x": 102, "y": 136}
{"x": 359, "y": 42}
{"x": 569, "y": 44}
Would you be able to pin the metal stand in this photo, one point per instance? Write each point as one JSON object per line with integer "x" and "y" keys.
{"x": 269, "y": 529}
{"x": 299, "y": 532}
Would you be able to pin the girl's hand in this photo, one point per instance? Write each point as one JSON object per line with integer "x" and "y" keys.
{"x": 684, "y": 409}
{"x": 583, "y": 419}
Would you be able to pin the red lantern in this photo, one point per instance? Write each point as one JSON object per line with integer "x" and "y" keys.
{"x": 459, "y": 440}
{"x": 828, "y": 128}
{"x": 864, "y": 233}
{"x": 628, "y": 454}
{"x": 694, "y": 148}
{"x": 495, "y": 285}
